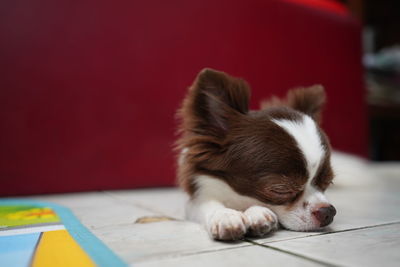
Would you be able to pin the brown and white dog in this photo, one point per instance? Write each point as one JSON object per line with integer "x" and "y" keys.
{"x": 246, "y": 170}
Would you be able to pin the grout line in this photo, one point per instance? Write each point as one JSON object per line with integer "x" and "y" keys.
{"x": 294, "y": 254}
{"x": 329, "y": 233}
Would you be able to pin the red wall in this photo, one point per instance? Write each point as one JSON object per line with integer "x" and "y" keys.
{"x": 88, "y": 89}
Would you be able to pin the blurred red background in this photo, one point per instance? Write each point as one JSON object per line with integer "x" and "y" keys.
{"x": 89, "y": 89}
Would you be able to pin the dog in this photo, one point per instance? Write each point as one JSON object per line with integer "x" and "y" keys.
{"x": 247, "y": 172}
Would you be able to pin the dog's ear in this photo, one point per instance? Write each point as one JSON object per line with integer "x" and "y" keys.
{"x": 309, "y": 100}
{"x": 213, "y": 101}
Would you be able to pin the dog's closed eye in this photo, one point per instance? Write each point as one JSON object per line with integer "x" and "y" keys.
{"x": 281, "y": 194}
{"x": 282, "y": 190}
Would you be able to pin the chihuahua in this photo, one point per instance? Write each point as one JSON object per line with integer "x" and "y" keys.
{"x": 248, "y": 171}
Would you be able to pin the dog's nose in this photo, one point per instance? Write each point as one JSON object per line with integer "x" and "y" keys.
{"x": 325, "y": 215}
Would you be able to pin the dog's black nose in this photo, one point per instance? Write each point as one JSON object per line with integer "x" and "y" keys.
{"x": 325, "y": 215}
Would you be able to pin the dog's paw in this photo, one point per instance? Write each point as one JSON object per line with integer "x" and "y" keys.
{"x": 262, "y": 221}
{"x": 227, "y": 224}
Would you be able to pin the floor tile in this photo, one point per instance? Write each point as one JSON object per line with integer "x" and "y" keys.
{"x": 246, "y": 256}
{"x": 156, "y": 240}
{"x": 377, "y": 246}
{"x": 75, "y": 200}
{"x": 167, "y": 201}
{"x": 358, "y": 209}
{"x": 374, "y": 201}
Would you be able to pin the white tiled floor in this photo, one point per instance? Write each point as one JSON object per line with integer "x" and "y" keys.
{"x": 366, "y": 230}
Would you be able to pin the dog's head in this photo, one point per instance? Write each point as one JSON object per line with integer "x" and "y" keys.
{"x": 278, "y": 155}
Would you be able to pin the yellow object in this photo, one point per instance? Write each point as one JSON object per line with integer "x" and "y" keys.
{"x": 58, "y": 248}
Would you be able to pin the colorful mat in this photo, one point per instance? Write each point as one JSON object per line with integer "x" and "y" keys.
{"x": 41, "y": 234}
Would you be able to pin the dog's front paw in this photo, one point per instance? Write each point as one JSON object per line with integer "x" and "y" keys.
{"x": 227, "y": 224}
{"x": 262, "y": 220}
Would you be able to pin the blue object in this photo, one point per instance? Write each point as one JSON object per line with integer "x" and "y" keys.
{"x": 97, "y": 251}
{"x": 17, "y": 250}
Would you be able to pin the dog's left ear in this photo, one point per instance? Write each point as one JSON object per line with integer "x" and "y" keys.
{"x": 309, "y": 100}
{"x": 213, "y": 102}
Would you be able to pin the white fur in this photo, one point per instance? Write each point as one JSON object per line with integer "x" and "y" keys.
{"x": 308, "y": 140}
{"x": 299, "y": 217}
{"x": 220, "y": 209}
{"x": 213, "y": 188}
{"x": 227, "y": 224}
{"x": 261, "y": 220}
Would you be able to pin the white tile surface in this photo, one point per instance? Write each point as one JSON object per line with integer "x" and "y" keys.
{"x": 365, "y": 208}
{"x": 97, "y": 209}
{"x": 76, "y": 200}
{"x": 167, "y": 201}
{"x": 372, "y": 201}
{"x": 152, "y": 241}
{"x": 245, "y": 256}
{"x": 377, "y": 246}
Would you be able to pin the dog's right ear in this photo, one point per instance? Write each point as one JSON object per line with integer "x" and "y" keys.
{"x": 213, "y": 101}
{"x": 309, "y": 100}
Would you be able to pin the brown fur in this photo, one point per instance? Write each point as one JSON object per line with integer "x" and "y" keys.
{"x": 245, "y": 148}
{"x": 309, "y": 100}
